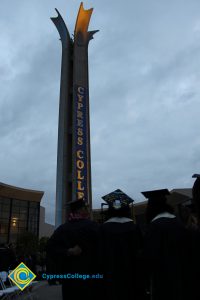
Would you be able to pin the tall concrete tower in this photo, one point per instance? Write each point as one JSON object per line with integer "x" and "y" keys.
{"x": 73, "y": 153}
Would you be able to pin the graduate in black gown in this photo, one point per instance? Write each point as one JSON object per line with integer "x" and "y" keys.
{"x": 120, "y": 243}
{"x": 195, "y": 237}
{"x": 72, "y": 249}
{"x": 196, "y": 197}
{"x": 167, "y": 252}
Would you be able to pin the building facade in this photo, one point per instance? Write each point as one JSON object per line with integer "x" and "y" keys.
{"x": 19, "y": 212}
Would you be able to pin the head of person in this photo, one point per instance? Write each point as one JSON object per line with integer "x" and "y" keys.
{"x": 155, "y": 208}
{"x": 119, "y": 210}
{"x": 157, "y": 203}
{"x": 78, "y": 208}
{"x": 196, "y": 196}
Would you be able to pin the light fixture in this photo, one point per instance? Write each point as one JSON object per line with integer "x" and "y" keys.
{"x": 14, "y": 222}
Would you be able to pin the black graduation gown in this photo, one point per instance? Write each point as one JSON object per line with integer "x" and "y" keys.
{"x": 192, "y": 262}
{"x": 167, "y": 251}
{"x": 119, "y": 247}
{"x": 84, "y": 234}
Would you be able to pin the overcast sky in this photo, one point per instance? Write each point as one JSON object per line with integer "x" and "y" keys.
{"x": 144, "y": 67}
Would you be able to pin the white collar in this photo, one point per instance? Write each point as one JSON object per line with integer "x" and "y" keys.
{"x": 119, "y": 220}
{"x": 163, "y": 215}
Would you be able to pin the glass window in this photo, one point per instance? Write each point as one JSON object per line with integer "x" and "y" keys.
{"x": 22, "y": 223}
{"x": 3, "y": 228}
{"x": 33, "y": 204}
{"x": 33, "y": 214}
{"x": 16, "y": 202}
{"x": 4, "y": 214}
{"x": 33, "y": 220}
{"x": 14, "y": 227}
{"x": 4, "y": 199}
{"x": 21, "y": 230}
{"x": 4, "y": 221}
{"x": 13, "y": 237}
{"x": 33, "y": 211}
{"x": 33, "y": 217}
{"x": 15, "y": 209}
{"x": 23, "y": 210}
{"x": 3, "y": 238}
{"x": 14, "y": 223}
{"x": 33, "y": 226}
{"x": 5, "y": 207}
{"x": 14, "y": 220}
{"x": 23, "y": 204}
{"x": 23, "y": 217}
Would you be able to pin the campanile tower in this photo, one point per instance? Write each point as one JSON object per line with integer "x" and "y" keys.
{"x": 73, "y": 154}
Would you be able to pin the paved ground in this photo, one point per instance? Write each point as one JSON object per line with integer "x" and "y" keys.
{"x": 43, "y": 291}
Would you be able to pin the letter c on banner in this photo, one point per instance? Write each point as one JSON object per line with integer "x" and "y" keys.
{"x": 80, "y": 154}
{"x": 80, "y": 90}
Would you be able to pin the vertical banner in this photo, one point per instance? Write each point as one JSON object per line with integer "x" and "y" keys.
{"x": 81, "y": 155}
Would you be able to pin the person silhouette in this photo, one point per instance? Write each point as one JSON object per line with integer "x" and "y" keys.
{"x": 72, "y": 249}
{"x": 168, "y": 251}
{"x": 120, "y": 243}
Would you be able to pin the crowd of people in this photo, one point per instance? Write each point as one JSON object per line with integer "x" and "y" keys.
{"x": 161, "y": 264}
{"x": 119, "y": 260}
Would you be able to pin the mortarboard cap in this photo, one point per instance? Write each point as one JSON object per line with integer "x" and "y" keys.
{"x": 196, "y": 176}
{"x": 156, "y": 203}
{"x": 77, "y": 204}
{"x": 156, "y": 194}
{"x": 117, "y": 199}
